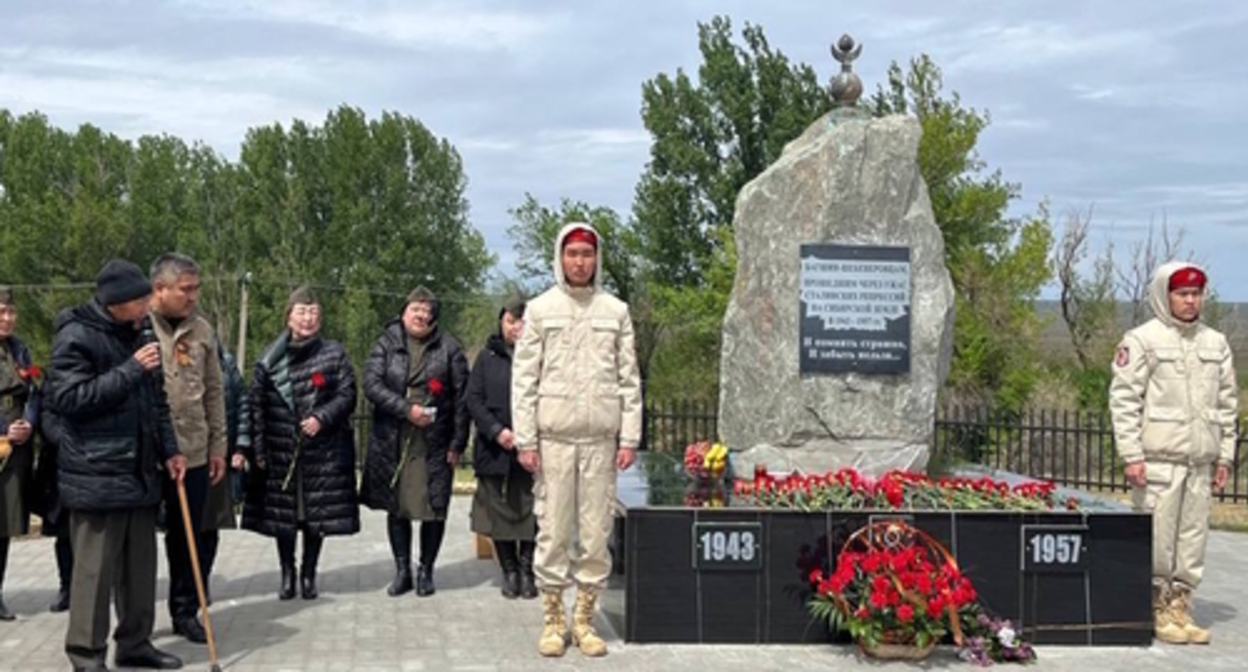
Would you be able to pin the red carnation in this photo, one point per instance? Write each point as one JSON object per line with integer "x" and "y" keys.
{"x": 30, "y": 373}
{"x": 905, "y": 613}
{"x": 435, "y": 387}
{"x": 318, "y": 380}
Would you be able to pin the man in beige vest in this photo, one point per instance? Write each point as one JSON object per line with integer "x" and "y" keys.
{"x": 1174, "y": 401}
{"x": 195, "y": 389}
{"x": 576, "y": 410}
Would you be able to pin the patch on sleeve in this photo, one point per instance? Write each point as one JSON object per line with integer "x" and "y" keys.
{"x": 1123, "y": 356}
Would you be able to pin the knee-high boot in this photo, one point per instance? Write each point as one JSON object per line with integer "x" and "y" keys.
{"x": 510, "y": 564}
{"x": 286, "y": 555}
{"x": 312, "y": 543}
{"x": 399, "y": 530}
{"x": 528, "y": 580}
{"x": 431, "y": 533}
{"x": 5, "y": 614}
{"x": 64, "y": 572}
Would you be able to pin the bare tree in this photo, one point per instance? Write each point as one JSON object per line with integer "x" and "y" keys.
{"x": 1087, "y": 303}
{"x": 1145, "y": 256}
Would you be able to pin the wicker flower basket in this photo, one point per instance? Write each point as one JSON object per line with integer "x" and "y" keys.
{"x": 892, "y": 649}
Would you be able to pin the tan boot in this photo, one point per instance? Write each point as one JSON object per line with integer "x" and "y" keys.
{"x": 554, "y": 641}
{"x": 583, "y": 633}
{"x": 1165, "y": 627}
{"x": 1181, "y": 610}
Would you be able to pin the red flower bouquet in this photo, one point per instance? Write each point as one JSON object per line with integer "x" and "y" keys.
{"x": 893, "y": 586}
{"x": 896, "y": 490}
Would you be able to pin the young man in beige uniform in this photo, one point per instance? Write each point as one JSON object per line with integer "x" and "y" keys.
{"x": 196, "y": 392}
{"x": 576, "y": 409}
{"x": 1174, "y": 401}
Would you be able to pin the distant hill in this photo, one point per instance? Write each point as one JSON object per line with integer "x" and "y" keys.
{"x": 1234, "y": 324}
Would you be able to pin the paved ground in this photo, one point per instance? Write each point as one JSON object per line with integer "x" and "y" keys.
{"x": 468, "y": 626}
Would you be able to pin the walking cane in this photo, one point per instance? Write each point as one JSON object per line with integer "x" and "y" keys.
{"x": 199, "y": 579}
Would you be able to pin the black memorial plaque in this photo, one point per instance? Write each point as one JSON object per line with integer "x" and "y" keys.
{"x": 855, "y": 309}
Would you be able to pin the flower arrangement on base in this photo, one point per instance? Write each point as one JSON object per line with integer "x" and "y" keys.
{"x": 993, "y": 640}
{"x": 898, "y": 592}
{"x": 897, "y": 490}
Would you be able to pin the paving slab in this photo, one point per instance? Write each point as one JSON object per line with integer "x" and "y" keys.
{"x": 468, "y": 626}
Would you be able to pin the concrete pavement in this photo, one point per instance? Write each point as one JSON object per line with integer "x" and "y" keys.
{"x": 467, "y": 625}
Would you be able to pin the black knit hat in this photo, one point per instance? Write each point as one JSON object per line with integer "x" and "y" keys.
{"x": 120, "y": 281}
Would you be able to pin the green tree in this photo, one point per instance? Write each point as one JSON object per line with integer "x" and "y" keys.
{"x": 998, "y": 264}
{"x": 710, "y": 138}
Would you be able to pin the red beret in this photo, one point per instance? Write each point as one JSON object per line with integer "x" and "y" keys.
{"x": 1188, "y": 276}
{"x": 581, "y": 236}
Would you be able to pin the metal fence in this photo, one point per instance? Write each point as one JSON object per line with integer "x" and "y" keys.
{"x": 1073, "y": 448}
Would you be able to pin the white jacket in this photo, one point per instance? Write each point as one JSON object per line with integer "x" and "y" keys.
{"x": 574, "y": 374}
{"x": 1174, "y": 396}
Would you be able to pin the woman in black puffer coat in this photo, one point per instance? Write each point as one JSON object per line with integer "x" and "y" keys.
{"x": 416, "y": 378}
{"x": 502, "y": 507}
{"x": 302, "y": 444}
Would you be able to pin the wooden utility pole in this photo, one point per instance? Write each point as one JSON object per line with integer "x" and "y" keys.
{"x": 245, "y": 281}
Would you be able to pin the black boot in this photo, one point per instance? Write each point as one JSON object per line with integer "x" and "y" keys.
{"x": 431, "y": 533}
{"x": 528, "y": 581}
{"x": 400, "y": 532}
{"x": 286, "y": 554}
{"x": 510, "y": 565}
{"x": 64, "y": 571}
{"x": 312, "y": 542}
{"x": 5, "y": 614}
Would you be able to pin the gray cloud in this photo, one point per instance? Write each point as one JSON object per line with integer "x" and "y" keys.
{"x": 1130, "y": 108}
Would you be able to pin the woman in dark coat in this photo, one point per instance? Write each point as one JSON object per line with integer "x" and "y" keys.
{"x": 19, "y": 415}
{"x": 416, "y": 378}
{"x": 502, "y": 508}
{"x": 301, "y": 399}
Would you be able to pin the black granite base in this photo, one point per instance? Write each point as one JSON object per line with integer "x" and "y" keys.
{"x": 1095, "y": 594}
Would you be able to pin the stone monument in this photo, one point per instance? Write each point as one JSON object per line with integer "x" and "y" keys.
{"x": 839, "y": 329}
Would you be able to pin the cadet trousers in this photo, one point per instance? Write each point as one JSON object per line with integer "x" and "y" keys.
{"x": 574, "y": 493}
{"x": 1179, "y": 496}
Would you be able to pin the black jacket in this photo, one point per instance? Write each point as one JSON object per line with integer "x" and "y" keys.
{"x": 489, "y": 402}
{"x": 115, "y": 431}
{"x": 293, "y": 382}
{"x": 237, "y": 404}
{"x": 385, "y": 386}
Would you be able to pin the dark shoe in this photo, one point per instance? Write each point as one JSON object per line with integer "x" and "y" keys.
{"x": 424, "y": 581}
{"x": 307, "y": 584}
{"x": 151, "y": 657}
{"x": 191, "y": 630}
{"x": 61, "y": 603}
{"x": 92, "y": 668}
{"x": 402, "y": 578}
{"x": 5, "y": 614}
{"x": 528, "y": 586}
{"x": 511, "y": 585}
{"x": 288, "y": 583}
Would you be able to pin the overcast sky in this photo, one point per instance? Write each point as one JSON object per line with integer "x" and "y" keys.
{"x": 1134, "y": 109}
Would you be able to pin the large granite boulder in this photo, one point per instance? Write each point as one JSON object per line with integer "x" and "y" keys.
{"x": 848, "y": 182}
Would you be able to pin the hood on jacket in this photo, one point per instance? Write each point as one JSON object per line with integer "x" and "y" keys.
{"x": 558, "y": 262}
{"x": 1159, "y": 292}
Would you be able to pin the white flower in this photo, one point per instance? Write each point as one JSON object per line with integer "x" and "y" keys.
{"x": 1006, "y": 635}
